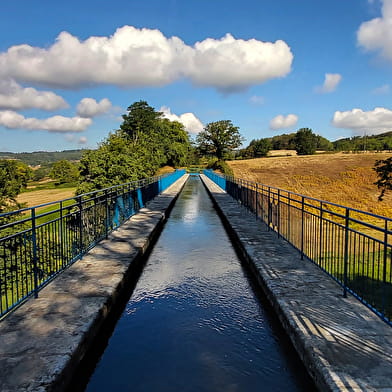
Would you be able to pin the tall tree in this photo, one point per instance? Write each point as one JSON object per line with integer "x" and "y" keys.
{"x": 141, "y": 118}
{"x": 218, "y": 138}
{"x": 144, "y": 142}
{"x": 64, "y": 171}
{"x": 305, "y": 142}
{"x": 13, "y": 178}
{"x": 383, "y": 169}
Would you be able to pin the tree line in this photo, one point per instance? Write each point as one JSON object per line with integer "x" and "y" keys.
{"x": 305, "y": 142}
{"x": 146, "y": 141}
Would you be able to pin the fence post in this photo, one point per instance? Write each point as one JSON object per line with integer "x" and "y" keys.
{"x": 262, "y": 203}
{"x": 384, "y": 272}
{"x": 61, "y": 234}
{"x": 80, "y": 205}
{"x": 302, "y": 226}
{"x": 321, "y": 232}
{"x": 107, "y": 214}
{"x": 35, "y": 258}
{"x": 278, "y": 220}
{"x": 346, "y": 227}
{"x": 269, "y": 208}
{"x": 257, "y": 199}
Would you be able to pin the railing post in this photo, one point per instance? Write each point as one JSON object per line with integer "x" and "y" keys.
{"x": 321, "y": 232}
{"x": 61, "y": 234}
{"x": 80, "y": 206}
{"x": 346, "y": 228}
{"x": 257, "y": 199}
{"x": 262, "y": 203}
{"x": 35, "y": 256}
{"x": 288, "y": 215}
{"x": 269, "y": 208}
{"x": 278, "y": 220}
{"x": 302, "y": 226}
{"x": 107, "y": 214}
{"x": 384, "y": 272}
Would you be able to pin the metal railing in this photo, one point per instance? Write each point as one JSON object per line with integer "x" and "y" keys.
{"x": 354, "y": 247}
{"x": 37, "y": 243}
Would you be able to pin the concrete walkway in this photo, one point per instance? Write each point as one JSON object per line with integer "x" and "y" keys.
{"x": 344, "y": 345}
{"x": 43, "y": 341}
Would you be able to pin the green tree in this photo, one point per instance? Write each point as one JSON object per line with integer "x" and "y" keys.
{"x": 218, "y": 138}
{"x": 13, "y": 178}
{"x": 305, "y": 142}
{"x": 383, "y": 169}
{"x": 64, "y": 172}
{"x": 323, "y": 144}
{"x": 261, "y": 147}
{"x": 40, "y": 173}
{"x": 144, "y": 142}
{"x": 141, "y": 118}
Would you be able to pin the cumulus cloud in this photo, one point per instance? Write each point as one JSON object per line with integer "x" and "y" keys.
{"x": 282, "y": 122}
{"x": 15, "y": 97}
{"x": 13, "y": 120}
{"x": 89, "y": 107}
{"x": 331, "y": 82}
{"x": 256, "y": 100}
{"x": 231, "y": 64}
{"x": 375, "y": 121}
{"x": 376, "y": 34}
{"x": 191, "y": 123}
{"x": 382, "y": 90}
{"x": 143, "y": 57}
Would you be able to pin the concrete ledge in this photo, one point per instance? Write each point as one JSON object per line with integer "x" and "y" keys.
{"x": 344, "y": 345}
{"x": 43, "y": 341}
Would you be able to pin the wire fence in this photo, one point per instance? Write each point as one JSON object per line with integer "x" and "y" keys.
{"x": 37, "y": 243}
{"x": 354, "y": 247}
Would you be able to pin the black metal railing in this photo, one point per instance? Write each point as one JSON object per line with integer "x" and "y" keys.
{"x": 352, "y": 246}
{"x": 37, "y": 243}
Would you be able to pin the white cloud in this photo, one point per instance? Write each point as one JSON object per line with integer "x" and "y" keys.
{"x": 376, "y": 34}
{"x": 231, "y": 64}
{"x": 191, "y": 123}
{"x": 256, "y": 100}
{"x": 89, "y": 107}
{"x": 143, "y": 57}
{"x": 375, "y": 121}
{"x": 82, "y": 140}
{"x": 15, "y": 97}
{"x": 382, "y": 90}
{"x": 13, "y": 120}
{"x": 282, "y": 122}
{"x": 331, "y": 82}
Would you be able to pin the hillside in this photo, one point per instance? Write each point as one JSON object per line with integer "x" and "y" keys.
{"x": 43, "y": 157}
{"x": 346, "y": 179}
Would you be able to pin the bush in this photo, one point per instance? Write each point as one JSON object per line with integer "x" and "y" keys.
{"x": 221, "y": 166}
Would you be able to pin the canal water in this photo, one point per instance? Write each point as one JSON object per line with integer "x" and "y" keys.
{"x": 194, "y": 321}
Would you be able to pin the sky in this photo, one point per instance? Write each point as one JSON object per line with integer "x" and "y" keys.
{"x": 69, "y": 70}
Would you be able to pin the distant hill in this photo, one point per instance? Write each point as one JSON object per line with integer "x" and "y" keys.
{"x": 380, "y": 142}
{"x": 43, "y": 157}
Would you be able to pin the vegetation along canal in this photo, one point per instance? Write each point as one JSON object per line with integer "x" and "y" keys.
{"x": 194, "y": 321}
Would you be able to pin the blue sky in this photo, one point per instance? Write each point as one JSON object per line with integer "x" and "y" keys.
{"x": 68, "y": 70}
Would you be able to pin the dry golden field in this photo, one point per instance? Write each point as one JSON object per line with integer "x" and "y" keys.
{"x": 43, "y": 196}
{"x": 346, "y": 179}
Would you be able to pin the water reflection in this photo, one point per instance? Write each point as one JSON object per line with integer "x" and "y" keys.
{"x": 193, "y": 322}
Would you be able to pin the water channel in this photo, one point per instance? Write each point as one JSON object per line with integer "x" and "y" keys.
{"x": 195, "y": 321}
